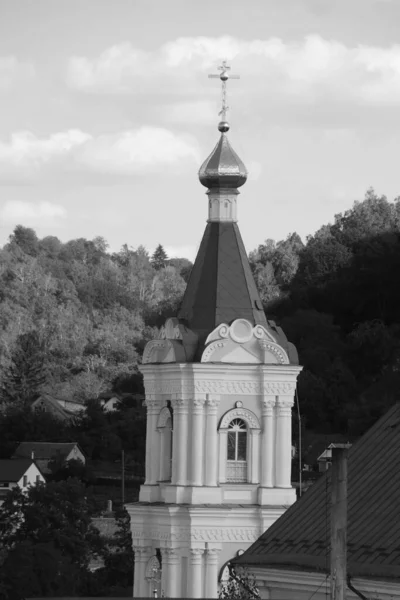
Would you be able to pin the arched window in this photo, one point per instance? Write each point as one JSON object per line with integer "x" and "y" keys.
{"x": 237, "y": 451}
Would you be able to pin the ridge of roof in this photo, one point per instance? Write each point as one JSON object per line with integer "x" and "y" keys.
{"x": 300, "y": 538}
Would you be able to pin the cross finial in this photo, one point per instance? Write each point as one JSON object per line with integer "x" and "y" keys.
{"x": 223, "y": 125}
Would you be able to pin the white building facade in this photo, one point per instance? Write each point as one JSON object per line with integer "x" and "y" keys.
{"x": 219, "y": 385}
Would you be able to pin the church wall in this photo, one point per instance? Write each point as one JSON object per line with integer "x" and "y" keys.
{"x": 197, "y": 517}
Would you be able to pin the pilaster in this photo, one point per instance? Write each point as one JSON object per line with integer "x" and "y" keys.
{"x": 223, "y": 445}
{"x": 267, "y": 442}
{"x": 152, "y": 439}
{"x": 212, "y": 403}
{"x": 254, "y": 456}
{"x": 140, "y": 584}
{"x": 180, "y": 439}
{"x": 170, "y": 581}
{"x": 284, "y": 442}
{"x": 195, "y": 583}
{"x": 211, "y": 590}
{"x": 197, "y": 441}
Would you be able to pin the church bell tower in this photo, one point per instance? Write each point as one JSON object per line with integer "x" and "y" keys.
{"x": 219, "y": 385}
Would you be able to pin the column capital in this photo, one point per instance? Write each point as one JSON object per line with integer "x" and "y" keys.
{"x": 212, "y": 554}
{"x": 198, "y": 405}
{"x": 143, "y": 552}
{"x": 268, "y": 406}
{"x": 284, "y": 406}
{"x": 169, "y": 555}
{"x": 180, "y": 405}
{"x": 255, "y": 432}
{"x": 196, "y": 554}
{"x": 151, "y": 404}
{"x": 212, "y": 401}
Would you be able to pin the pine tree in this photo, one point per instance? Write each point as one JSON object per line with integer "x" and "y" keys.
{"x": 27, "y": 372}
{"x": 159, "y": 258}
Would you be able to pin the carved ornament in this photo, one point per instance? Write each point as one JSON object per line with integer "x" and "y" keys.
{"x": 212, "y": 534}
{"x": 240, "y": 413}
{"x": 214, "y": 386}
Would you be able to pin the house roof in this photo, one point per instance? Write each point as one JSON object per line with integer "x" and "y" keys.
{"x": 45, "y": 450}
{"x": 55, "y": 404}
{"x": 221, "y": 286}
{"x": 12, "y": 469}
{"x": 300, "y": 538}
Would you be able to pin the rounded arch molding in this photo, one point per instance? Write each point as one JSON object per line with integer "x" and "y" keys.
{"x": 153, "y": 567}
{"x": 240, "y": 413}
{"x": 163, "y": 417}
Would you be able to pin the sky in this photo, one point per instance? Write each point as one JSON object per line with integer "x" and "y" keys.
{"x": 107, "y": 113}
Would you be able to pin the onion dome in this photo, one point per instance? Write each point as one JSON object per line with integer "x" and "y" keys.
{"x": 223, "y": 168}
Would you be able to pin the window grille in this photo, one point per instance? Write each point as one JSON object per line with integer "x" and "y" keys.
{"x": 237, "y": 452}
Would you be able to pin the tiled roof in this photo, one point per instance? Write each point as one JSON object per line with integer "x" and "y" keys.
{"x": 301, "y": 537}
{"x": 221, "y": 287}
{"x": 44, "y": 450}
{"x": 12, "y": 469}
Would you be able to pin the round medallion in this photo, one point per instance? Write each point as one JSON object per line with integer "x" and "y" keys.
{"x": 241, "y": 331}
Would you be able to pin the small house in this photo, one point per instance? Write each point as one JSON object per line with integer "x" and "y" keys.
{"x": 18, "y": 472}
{"x": 44, "y": 452}
{"x": 50, "y": 405}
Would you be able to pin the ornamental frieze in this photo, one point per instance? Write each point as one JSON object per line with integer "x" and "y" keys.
{"x": 177, "y": 387}
{"x": 212, "y": 534}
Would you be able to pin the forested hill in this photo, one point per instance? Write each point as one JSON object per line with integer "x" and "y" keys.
{"x": 90, "y": 312}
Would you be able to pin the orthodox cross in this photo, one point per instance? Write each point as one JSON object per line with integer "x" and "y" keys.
{"x": 224, "y": 76}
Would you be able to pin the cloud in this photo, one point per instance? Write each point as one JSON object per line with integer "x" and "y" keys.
{"x": 188, "y": 252}
{"x": 311, "y": 69}
{"x": 13, "y": 71}
{"x": 16, "y": 211}
{"x": 144, "y": 150}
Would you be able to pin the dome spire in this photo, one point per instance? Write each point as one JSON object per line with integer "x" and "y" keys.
{"x": 223, "y": 125}
{"x": 223, "y": 171}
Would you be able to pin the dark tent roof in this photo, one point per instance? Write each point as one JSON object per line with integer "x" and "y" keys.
{"x": 12, "y": 469}
{"x": 221, "y": 286}
{"x": 300, "y": 539}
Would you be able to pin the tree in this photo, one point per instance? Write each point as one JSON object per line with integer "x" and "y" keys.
{"x": 26, "y": 239}
{"x": 239, "y": 586}
{"x": 159, "y": 258}
{"x": 116, "y": 576}
{"x": 26, "y": 374}
{"x": 48, "y": 540}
